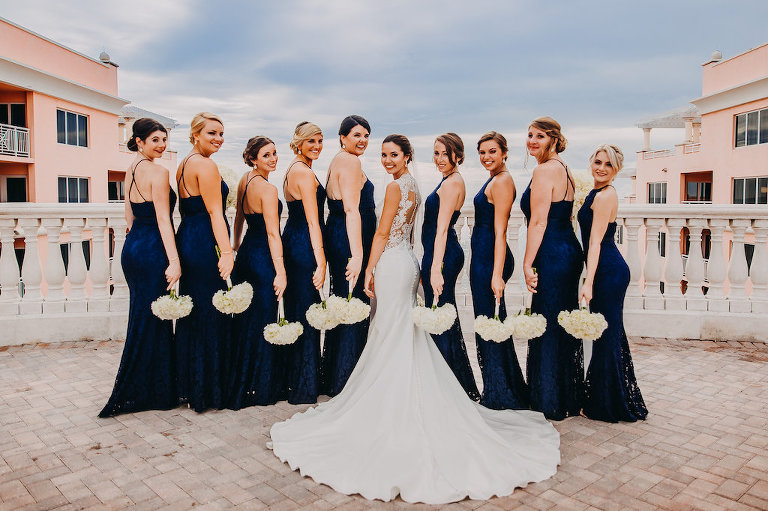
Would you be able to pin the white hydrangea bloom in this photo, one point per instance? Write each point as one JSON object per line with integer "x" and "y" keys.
{"x": 231, "y": 178}
{"x": 353, "y": 310}
{"x": 492, "y": 329}
{"x": 527, "y": 326}
{"x": 235, "y": 300}
{"x": 171, "y": 306}
{"x": 322, "y": 317}
{"x": 283, "y": 332}
{"x": 582, "y": 324}
{"x": 583, "y": 185}
{"x": 434, "y": 320}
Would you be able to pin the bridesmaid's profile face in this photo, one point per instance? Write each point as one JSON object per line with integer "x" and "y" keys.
{"x": 356, "y": 141}
{"x": 211, "y": 137}
{"x": 441, "y": 158}
{"x": 603, "y": 171}
{"x": 154, "y": 145}
{"x": 537, "y": 142}
{"x": 312, "y": 146}
{"x": 393, "y": 158}
{"x": 491, "y": 155}
{"x": 267, "y": 158}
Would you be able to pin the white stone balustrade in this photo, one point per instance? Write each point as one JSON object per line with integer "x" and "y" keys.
{"x": 720, "y": 298}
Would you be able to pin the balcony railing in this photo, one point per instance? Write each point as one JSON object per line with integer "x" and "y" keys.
{"x": 14, "y": 141}
{"x": 720, "y": 298}
{"x": 687, "y": 148}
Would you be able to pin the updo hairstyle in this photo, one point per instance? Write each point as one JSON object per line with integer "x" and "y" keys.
{"x": 455, "y": 147}
{"x": 303, "y": 132}
{"x": 142, "y": 129}
{"x": 349, "y": 122}
{"x": 198, "y": 122}
{"x": 615, "y": 156}
{"x": 552, "y": 128}
{"x": 496, "y": 137}
{"x": 253, "y": 147}
{"x": 403, "y": 143}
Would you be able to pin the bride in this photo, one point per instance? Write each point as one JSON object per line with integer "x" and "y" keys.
{"x": 403, "y": 424}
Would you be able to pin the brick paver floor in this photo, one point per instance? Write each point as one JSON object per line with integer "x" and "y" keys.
{"x": 702, "y": 447}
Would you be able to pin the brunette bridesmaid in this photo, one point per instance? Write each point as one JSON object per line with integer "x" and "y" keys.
{"x": 202, "y": 338}
{"x": 489, "y": 270}
{"x": 611, "y": 390}
{"x": 146, "y": 379}
{"x": 348, "y": 236}
{"x": 555, "y": 360}
{"x": 304, "y": 260}
{"x": 258, "y": 367}
{"x": 443, "y": 256}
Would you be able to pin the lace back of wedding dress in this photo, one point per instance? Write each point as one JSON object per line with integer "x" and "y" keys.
{"x": 402, "y": 225}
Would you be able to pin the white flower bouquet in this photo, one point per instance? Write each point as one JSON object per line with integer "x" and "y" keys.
{"x": 324, "y": 315}
{"x": 582, "y": 324}
{"x": 493, "y": 329}
{"x": 235, "y": 299}
{"x": 527, "y": 326}
{"x": 232, "y": 179}
{"x": 350, "y": 311}
{"x": 172, "y": 306}
{"x": 583, "y": 184}
{"x": 434, "y": 320}
{"x": 283, "y": 332}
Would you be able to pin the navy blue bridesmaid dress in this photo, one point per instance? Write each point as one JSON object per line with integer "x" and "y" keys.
{"x": 303, "y": 356}
{"x": 556, "y": 360}
{"x": 344, "y": 344}
{"x": 503, "y": 383}
{"x": 451, "y": 342}
{"x": 146, "y": 379}
{"x": 202, "y": 338}
{"x": 257, "y": 366}
{"x": 610, "y": 391}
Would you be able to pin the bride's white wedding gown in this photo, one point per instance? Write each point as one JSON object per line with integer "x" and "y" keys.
{"x": 403, "y": 424}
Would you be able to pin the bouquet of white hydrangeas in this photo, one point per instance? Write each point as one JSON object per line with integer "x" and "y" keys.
{"x": 493, "y": 329}
{"x": 527, "y": 326}
{"x": 583, "y": 185}
{"x": 434, "y": 320}
{"x": 172, "y": 306}
{"x": 352, "y": 310}
{"x": 324, "y": 315}
{"x": 236, "y": 298}
{"x": 232, "y": 179}
{"x": 582, "y": 324}
{"x": 283, "y": 332}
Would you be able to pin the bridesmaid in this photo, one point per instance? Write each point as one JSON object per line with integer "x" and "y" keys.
{"x": 555, "y": 360}
{"x": 304, "y": 260}
{"x": 348, "y": 236}
{"x": 257, "y": 372}
{"x": 489, "y": 270}
{"x": 202, "y": 337}
{"x": 611, "y": 391}
{"x": 146, "y": 379}
{"x": 443, "y": 256}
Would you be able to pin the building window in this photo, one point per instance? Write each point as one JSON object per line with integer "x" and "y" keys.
{"x": 751, "y": 128}
{"x": 14, "y": 114}
{"x": 698, "y": 191}
{"x": 73, "y": 189}
{"x": 116, "y": 191}
{"x": 13, "y": 189}
{"x": 71, "y": 128}
{"x": 657, "y": 193}
{"x": 750, "y": 190}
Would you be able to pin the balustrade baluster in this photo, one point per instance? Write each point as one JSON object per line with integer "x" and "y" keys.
{"x": 653, "y": 265}
{"x": 759, "y": 270}
{"x": 119, "y": 300}
{"x": 737, "y": 268}
{"x": 77, "y": 301}
{"x": 694, "y": 268}
{"x": 55, "y": 272}
{"x": 716, "y": 269}
{"x": 99, "y": 272}
{"x": 673, "y": 269}
{"x": 514, "y": 294}
{"x": 9, "y": 270}
{"x": 634, "y": 297}
{"x": 31, "y": 271}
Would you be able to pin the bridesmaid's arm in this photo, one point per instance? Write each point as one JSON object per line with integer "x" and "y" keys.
{"x": 161, "y": 190}
{"x": 237, "y": 229}
{"x": 449, "y": 194}
{"x": 209, "y": 183}
{"x": 503, "y": 195}
{"x": 307, "y": 184}
{"x": 128, "y": 210}
{"x": 350, "y": 172}
{"x": 541, "y": 199}
{"x": 603, "y": 206}
{"x": 391, "y": 201}
{"x": 269, "y": 208}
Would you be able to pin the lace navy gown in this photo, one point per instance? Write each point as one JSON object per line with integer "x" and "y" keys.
{"x": 344, "y": 344}
{"x": 146, "y": 379}
{"x": 555, "y": 365}
{"x": 258, "y": 370}
{"x": 202, "y": 338}
{"x": 451, "y": 342}
{"x": 303, "y": 356}
{"x": 503, "y": 383}
{"x": 611, "y": 391}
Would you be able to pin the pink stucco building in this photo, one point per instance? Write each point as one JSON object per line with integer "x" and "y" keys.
{"x": 722, "y": 157}
{"x": 63, "y": 124}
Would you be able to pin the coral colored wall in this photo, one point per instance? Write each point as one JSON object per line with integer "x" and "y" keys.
{"x": 735, "y": 71}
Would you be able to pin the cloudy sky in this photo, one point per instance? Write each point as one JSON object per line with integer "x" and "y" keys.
{"x": 414, "y": 67}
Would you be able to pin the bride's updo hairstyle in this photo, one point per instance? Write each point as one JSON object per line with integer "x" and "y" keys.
{"x": 455, "y": 147}
{"x": 198, "y": 122}
{"x": 303, "y": 132}
{"x": 253, "y": 147}
{"x": 349, "y": 122}
{"x": 498, "y": 138}
{"x": 403, "y": 143}
{"x": 615, "y": 156}
{"x": 552, "y": 128}
{"x": 142, "y": 129}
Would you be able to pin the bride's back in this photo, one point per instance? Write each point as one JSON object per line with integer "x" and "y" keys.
{"x": 402, "y": 225}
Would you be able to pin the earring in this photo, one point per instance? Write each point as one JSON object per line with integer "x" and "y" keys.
{"x": 141, "y": 150}
{"x": 343, "y": 146}
{"x": 300, "y": 152}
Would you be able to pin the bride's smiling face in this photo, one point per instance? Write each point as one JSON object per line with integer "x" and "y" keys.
{"x": 393, "y": 159}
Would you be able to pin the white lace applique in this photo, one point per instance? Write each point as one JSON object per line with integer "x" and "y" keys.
{"x": 402, "y": 224}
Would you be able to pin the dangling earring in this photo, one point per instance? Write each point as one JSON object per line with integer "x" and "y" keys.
{"x": 141, "y": 150}
{"x": 343, "y": 146}
{"x": 300, "y": 152}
